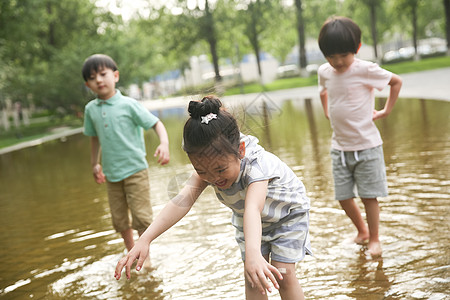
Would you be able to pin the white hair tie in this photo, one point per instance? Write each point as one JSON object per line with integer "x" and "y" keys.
{"x": 208, "y": 117}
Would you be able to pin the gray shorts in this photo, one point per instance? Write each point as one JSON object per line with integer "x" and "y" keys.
{"x": 287, "y": 243}
{"x": 364, "y": 169}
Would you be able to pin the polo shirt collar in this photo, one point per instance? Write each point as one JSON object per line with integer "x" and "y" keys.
{"x": 111, "y": 100}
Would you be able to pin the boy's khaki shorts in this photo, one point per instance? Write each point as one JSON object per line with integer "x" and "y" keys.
{"x": 131, "y": 195}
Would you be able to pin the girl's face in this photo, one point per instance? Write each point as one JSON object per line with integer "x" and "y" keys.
{"x": 341, "y": 61}
{"x": 221, "y": 170}
{"x": 103, "y": 83}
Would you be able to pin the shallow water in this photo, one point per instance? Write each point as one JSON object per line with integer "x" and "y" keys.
{"x": 58, "y": 243}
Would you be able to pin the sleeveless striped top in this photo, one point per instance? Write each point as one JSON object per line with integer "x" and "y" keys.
{"x": 286, "y": 194}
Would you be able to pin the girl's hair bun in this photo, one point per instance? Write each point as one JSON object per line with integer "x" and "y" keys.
{"x": 209, "y": 104}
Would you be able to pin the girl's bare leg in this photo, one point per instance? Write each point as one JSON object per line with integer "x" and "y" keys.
{"x": 254, "y": 293}
{"x": 290, "y": 288}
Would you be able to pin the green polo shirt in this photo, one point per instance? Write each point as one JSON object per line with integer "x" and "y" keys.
{"x": 118, "y": 123}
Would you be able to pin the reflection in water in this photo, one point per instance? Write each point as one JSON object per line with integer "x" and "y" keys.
{"x": 312, "y": 130}
{"x": 371, "y": 281}
{"x": 58, "y": 243}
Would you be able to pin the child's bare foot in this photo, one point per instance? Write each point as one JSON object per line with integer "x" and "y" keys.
{"x": 361, "y": 239}
{"x": 374, "y": 249}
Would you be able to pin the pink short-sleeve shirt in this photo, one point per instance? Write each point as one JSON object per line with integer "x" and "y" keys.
{"x": 351, "y": 102}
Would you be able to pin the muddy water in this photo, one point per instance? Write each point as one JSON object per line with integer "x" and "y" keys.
{"x": 57, "y": 241}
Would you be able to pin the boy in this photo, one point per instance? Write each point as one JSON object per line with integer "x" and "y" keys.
{"x": 115, "y": 123}
{"x": 346, "y": 87}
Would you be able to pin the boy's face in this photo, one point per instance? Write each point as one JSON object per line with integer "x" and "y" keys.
{"x": 103, "y": 83}
{"x": 341, "y": 61}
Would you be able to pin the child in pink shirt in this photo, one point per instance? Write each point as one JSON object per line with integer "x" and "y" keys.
{"x": 346, "y": 86}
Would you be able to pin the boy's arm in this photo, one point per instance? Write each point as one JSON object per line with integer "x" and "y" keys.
{"x": 396, "y": 84}
{"x": 324, "y": 100}
{"x": 95, "y": 160}
{"x": 174, "y": 211}
{"x": 257, "y": 269}
{"x": 163, "y": 149}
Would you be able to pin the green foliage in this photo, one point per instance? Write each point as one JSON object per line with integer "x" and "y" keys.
{"x": 284, "y": 34}
{"x": 43, "y": 43}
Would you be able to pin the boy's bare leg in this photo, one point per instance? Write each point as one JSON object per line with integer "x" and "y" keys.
{"x": 354, "y": 213}
{"x": 290, "y": 288}
{"x": 373, "y": 220}
{"x": 127, "y": 236}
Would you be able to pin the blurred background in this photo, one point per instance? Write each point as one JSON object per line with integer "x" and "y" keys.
{"x": 174, "y": 47}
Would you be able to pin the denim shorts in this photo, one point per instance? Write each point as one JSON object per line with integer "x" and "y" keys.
{"x": 131, "y": 195}
{"x": 363, "y": 169}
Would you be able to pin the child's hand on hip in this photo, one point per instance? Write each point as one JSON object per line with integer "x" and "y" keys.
{"x": 379, "y": 114}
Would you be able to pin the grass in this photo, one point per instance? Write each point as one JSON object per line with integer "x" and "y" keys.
{"x": 421, "y": 65}
{"x": 38, "y": 130}
{"x": 279, "y": 84}
{"x": 35, "y": 131}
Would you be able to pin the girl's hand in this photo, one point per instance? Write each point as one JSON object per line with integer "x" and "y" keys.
{"x": 258, "y": 272}
{"x": 163, "y": 152}
{"x": 140, "y": 252}
{"x": 98, "y": 174}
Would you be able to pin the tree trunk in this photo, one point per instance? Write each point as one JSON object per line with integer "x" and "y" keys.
{"x": 258, "y": 59}
{"x": 51, "y": 26}
{"x": 373, "y": 25}
{"x": 255, "y": 43}
{"x": 447, "y": 24}
{"x": 5, "y": 119}
{"x": 414, "y": 24}
{"x": 301, "y": 35}
{"x": 211, "y": 38}
{"x": 215, "y": 58}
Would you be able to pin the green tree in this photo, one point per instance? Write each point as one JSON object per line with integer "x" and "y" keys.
{"x": 208, "y": 30}
{"x": 280, "y": 40}
{"x": 411, "y": 7}
{"x": 374, "y": 11}
{"x": 301, "y": 34}
{"x": 447, "y": 23}
{"x": 43, "y": 55}
{"x": 257, "y": 18}
{"x": 372, "y": 6}
{"x": 423, "y": 17}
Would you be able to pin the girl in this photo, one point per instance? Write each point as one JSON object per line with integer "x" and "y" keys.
{"x": 269, "y": 203}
